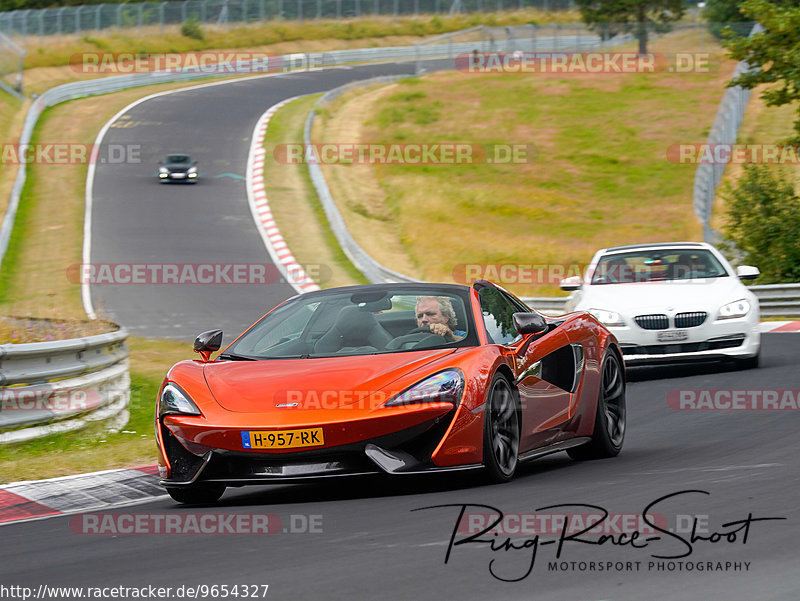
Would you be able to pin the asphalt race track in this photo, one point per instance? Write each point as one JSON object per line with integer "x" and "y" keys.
{"x": 374, "y": 546}
{"x": 370, "y": 543}
{"x": 136, "y": 219}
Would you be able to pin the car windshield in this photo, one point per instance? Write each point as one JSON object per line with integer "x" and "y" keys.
{"x": 375, "y": 320}
{"x": 657, "y": 265}
{"x": 178, "y": 158}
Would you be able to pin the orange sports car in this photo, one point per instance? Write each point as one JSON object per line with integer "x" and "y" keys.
{"x": 389, "y": 378}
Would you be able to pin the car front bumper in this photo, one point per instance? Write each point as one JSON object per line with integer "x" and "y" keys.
{"x": 738, "y": 338}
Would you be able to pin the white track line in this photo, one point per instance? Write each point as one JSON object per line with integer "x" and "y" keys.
{"x": 276, "y": 246}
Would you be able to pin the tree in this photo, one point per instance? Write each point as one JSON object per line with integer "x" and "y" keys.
{"x": 773, "y": 53}
{"x": 763, "y": 221}
{"x": 610, "y": 17}
{"x": 726, "y": 13}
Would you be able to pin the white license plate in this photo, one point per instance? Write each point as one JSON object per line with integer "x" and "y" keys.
{"x": 179, "y": 175}
{"x": 673, "y": 335}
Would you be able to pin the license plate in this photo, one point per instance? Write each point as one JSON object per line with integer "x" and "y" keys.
{"x": 673, "y": 335}
{"x": 282, "y": 439}
{"x": 179, "y": 175}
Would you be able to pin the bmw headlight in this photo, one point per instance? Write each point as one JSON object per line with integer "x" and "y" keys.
{"x": 738, "y": 308}
{"x": 192, "y": 170}
{"x": 163, "y": 170}
{"x": 607, "y": 318}
{"x": 446, "y": 386}
{"x": 174, "y": 400}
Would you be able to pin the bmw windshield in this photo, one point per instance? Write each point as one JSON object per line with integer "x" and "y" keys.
{"x": 656, "y": 266}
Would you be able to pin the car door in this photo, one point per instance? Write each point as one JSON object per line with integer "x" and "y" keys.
{"x": 540, "y": 368}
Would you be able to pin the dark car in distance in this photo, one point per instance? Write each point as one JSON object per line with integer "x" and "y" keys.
{"x": 178, "y": 168}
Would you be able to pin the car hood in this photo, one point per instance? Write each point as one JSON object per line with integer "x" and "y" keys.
{"x": 706, "y": 294}
{"x": 178, "y": 165}
{"x": 320, "y": 383}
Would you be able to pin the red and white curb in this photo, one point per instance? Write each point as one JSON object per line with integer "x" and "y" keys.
{"x": 780, "y": 326}
{"x": 37, "y": 499}
{"x": 276, "y": 246}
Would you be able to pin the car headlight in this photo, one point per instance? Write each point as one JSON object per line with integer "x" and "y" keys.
{"x": 446, "y": 386}
{"x": 174, "y": 400}
{"x": 608, "y": 318}
{"x": 163, "y": 170}
{"x": 192, "y": 170}
{"x": 738, "y": 308}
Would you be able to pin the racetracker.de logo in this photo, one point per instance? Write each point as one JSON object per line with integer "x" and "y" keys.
{"x": 529, "y": 524}
{"x": 48, "y": 398}
{"x": 69, "y": 153}
{"x": 581, "y": 63}
{"x": 544, "y": 274}
{"x": 207, "y": 274}
{"x": 440, "y": 153}
{"x": 211, "y": 63}
{"x": 194, "y": 523}
{"x": 733, "y": 400}
{"x": 738, "y": 154}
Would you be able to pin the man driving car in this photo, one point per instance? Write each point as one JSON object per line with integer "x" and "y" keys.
{"x": 437, "y": 314}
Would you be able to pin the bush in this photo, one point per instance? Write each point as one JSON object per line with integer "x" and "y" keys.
{"x": 191, "y": 29}
{"x": 763, "y": 222}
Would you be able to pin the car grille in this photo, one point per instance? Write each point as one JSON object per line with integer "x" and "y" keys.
{"x": 713, "y": 344}
{"x": 652, "y": 322}
{"x": 690, "y": 320}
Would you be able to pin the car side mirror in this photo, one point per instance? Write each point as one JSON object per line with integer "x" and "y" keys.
{"x": 208, "y": 342}
{"x": 747, "y": 272}
{"x": 530, "y": 323}
{"x": 571, "y": 283}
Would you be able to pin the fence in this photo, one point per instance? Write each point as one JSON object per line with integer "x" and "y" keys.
{"x": 62, "y": 385}
{"x": 11, "y": 67}
{"x": 725, "y": 130}
{"x": 78, "y": 19}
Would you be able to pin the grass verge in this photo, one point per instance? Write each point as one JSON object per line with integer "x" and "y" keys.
{"x": 295, "y": 205}
{"x": 312, "y": 35}
{"x": 599, "y": 175}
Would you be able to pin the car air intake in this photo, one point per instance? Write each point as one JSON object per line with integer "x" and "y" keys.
{"x": 652, "y": 322}
{"x": 690, "y": 320}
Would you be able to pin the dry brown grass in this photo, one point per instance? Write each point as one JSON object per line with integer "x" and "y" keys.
{"x": 294, "y": 204}
{"x": 600, "y": 176}
{"x": 355, "y": 188}
{"x": 12, "y": 116}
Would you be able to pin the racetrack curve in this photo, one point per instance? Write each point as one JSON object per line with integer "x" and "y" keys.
{"x": 374, "y": 546}
{"x": 136, "y": 219}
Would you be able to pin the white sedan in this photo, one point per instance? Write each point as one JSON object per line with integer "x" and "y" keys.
{"x": 668, "y": 302}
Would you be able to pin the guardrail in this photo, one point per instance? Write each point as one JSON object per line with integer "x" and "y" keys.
{"x": 372, "y": 270}
{"x": 81, "y": 89}
{"x": 725, "y": 130}
{"x": 775, "y": 300}
{"x": 62, "y": 385}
